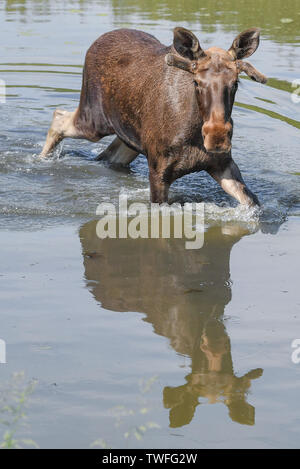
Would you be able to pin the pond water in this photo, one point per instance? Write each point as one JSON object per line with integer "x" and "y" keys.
{"x": 139, "y": 343}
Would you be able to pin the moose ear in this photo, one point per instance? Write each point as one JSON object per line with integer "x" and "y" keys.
{"x": 245, "y": 44}
{"x": 186, "y": 44}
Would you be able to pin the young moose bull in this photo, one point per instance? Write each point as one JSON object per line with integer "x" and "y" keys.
{"x": 172, "y": 104}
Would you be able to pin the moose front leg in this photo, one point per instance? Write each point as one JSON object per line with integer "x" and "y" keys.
{"x": 158, "y": 187}
{"x": 231, "y": 181}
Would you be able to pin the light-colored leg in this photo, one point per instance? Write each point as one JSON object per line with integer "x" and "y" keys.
{"x": 231, "y": 180}
{"x": 118, "y": 153}
{"x": 62, "y": 126}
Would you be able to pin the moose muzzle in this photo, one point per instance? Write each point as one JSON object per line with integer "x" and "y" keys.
{"x": 217, "y": 136}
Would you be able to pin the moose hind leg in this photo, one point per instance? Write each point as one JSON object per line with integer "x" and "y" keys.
{"x": 62, "y": 126}
{"x": 118, "y": 153}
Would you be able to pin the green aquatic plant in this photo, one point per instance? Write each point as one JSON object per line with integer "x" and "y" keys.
{"x": 131, "y": 422}
{"x": 14, "y": 399}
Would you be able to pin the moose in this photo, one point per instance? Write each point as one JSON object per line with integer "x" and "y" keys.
{"x": 172, "y": 104}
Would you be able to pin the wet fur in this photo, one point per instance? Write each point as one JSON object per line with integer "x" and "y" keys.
{"x": 130, "y": 90}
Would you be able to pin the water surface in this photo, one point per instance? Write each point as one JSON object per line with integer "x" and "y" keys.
{"x": 89, "y": 319}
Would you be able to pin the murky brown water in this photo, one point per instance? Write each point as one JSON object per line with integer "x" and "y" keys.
{"x": 123, "y": 335}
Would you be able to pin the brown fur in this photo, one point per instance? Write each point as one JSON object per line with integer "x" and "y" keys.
{"x": 172, "y": 104}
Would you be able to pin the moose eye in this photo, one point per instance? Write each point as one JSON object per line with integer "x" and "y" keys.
{"x": 197, "y": 87}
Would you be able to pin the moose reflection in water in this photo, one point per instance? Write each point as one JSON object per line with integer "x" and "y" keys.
{"x": 183, "y": 294}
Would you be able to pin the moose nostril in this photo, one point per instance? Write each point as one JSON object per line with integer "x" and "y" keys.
{"x": 207, "y": 128}
{"x": 214, "y": 146}
{"x": 221, "y": 130}
{"x": 228, "y": 128}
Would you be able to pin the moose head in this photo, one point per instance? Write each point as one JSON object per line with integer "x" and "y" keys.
{"x": 215, "y": 72}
